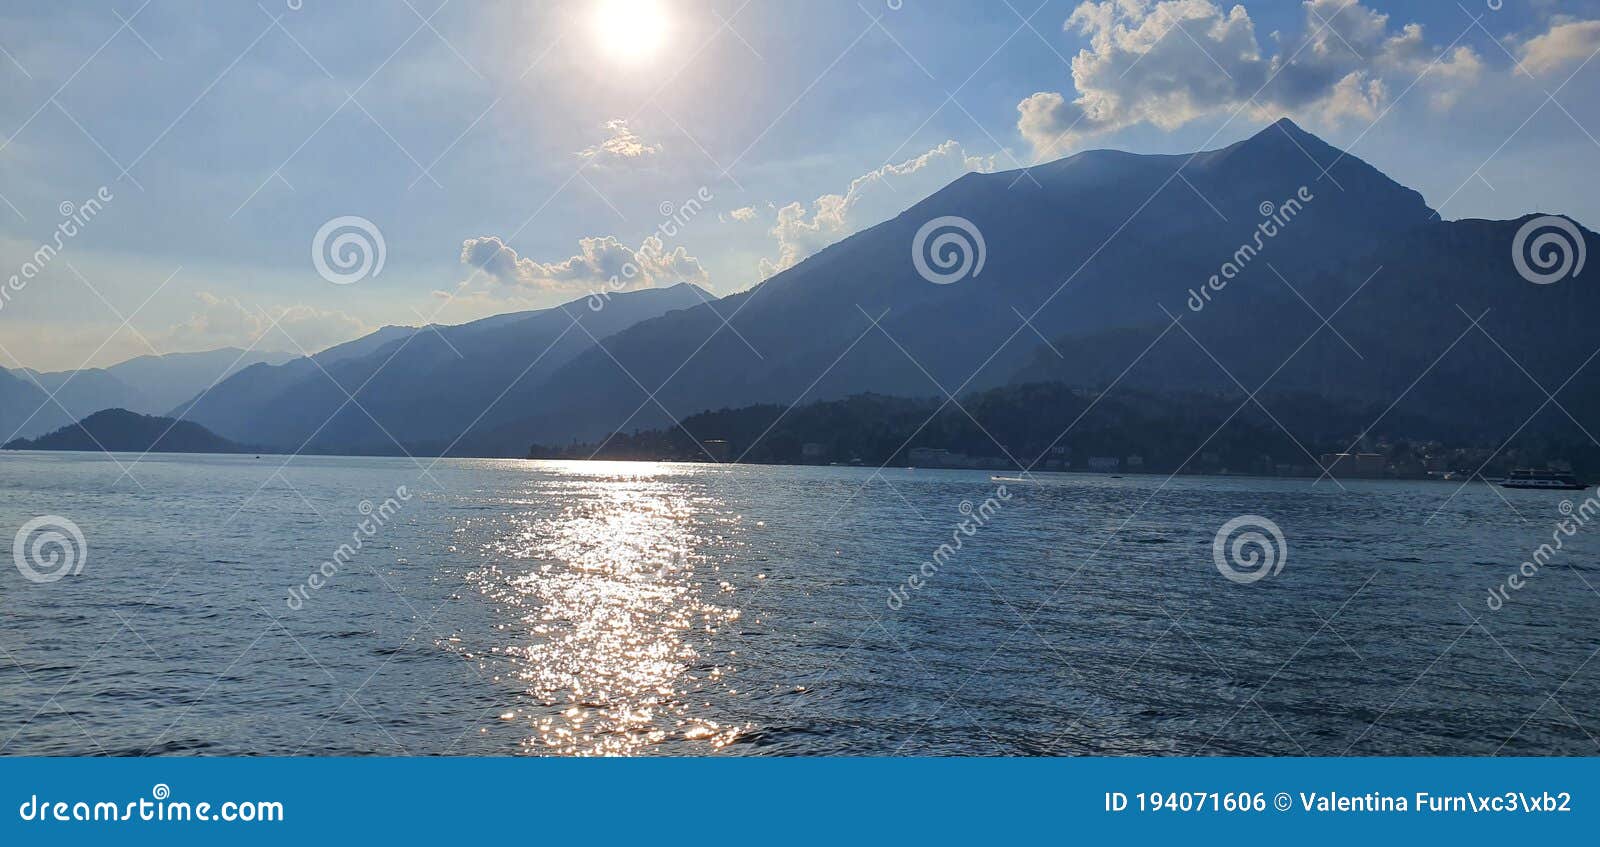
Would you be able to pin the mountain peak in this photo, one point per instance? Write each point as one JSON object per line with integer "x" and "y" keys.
{"x": 1286, "y": 123}
{"x": 1286, "y": 130}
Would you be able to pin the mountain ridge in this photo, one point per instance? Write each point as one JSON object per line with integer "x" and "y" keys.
{"x": 416, "y": 388}
{"x": 1091, "y": 255}
{"x": 1062, "y": 249}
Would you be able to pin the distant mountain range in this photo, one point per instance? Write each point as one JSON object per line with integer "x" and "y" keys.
{"x": 1091, "y": 264}
{"x": 147, "y": 384}
{"x": 122, "y": 431}
{"x": 419, "y": 390}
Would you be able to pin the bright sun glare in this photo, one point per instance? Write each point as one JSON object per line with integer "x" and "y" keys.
{"x": 631, "y": 31}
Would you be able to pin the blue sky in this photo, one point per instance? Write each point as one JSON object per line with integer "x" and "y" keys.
{"x": 543, "y": 141}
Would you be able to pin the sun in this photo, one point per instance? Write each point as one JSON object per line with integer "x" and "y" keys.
{"x": 631, "y": 32}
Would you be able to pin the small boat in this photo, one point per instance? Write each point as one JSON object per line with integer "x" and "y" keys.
{"x": 1541, "y": 478}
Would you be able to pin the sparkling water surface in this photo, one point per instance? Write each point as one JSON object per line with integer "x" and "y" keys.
{"x": 572, "y": 608}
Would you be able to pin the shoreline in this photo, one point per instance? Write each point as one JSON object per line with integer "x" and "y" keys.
{"x": 993, "y": 472}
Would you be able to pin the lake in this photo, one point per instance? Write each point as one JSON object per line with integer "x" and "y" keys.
{"x": 486, "y": 607}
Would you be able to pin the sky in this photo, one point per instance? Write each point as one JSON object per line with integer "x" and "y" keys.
{"x": 292, "y": 174}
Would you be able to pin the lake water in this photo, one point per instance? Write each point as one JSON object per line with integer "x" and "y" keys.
{"x": 504, "y": 607}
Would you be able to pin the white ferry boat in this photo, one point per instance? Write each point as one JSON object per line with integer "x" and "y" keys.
{"x": 1535, "y": 478}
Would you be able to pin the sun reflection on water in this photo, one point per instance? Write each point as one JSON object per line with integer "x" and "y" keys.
{"x": 603, "y": 609}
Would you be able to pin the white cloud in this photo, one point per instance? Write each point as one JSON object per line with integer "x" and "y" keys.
{"x": 601, "y": 264}
{"x": 872, "y": 197}
{"x": 226, "y": 322}
{"x": 621, "y": 144}
{"x": 743, "y": 214}
{"x": 1565, "y": 43}
{"x": 1356, "y": 95}
{"x": 1169, "y": 62}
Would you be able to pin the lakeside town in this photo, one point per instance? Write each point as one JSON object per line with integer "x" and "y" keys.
{"x": 1020, "y": 429}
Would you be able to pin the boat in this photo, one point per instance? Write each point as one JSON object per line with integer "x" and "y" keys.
{"x": 1541, "y": 478}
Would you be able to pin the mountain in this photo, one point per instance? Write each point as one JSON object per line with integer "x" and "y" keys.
{"x": 26, "y": 409}
{"x": 122, "y": 431}
{"x": 147, "y": 384}
{"x": 1402, "y": 332}
{"x": 363, "y": 346}
{"x": 163, "y": 382}
{"x": 1094, "y": 242}
{"x": 1211, "y": 272}
{"x": 419, "y": 389}
{"x": 77, "y": 394}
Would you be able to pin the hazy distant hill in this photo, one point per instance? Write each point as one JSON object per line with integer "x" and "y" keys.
{"x": 421, "y": 388}
{"x": 147, "y": 384}
{"x": 165, "y": 381}
{"x": 25, "y": 408}
{"x": 122, "y": 431}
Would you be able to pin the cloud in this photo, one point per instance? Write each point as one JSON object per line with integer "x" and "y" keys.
{"x": 601, "y": 264}
{"x": 743, "y": 214}
{"x": 225, "y": 322}
{"x": 621, "y": 145}
{"x": 872, "y": 197}
{"x": 1167, "y": 63}
{"x": 1566, "y": 43}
